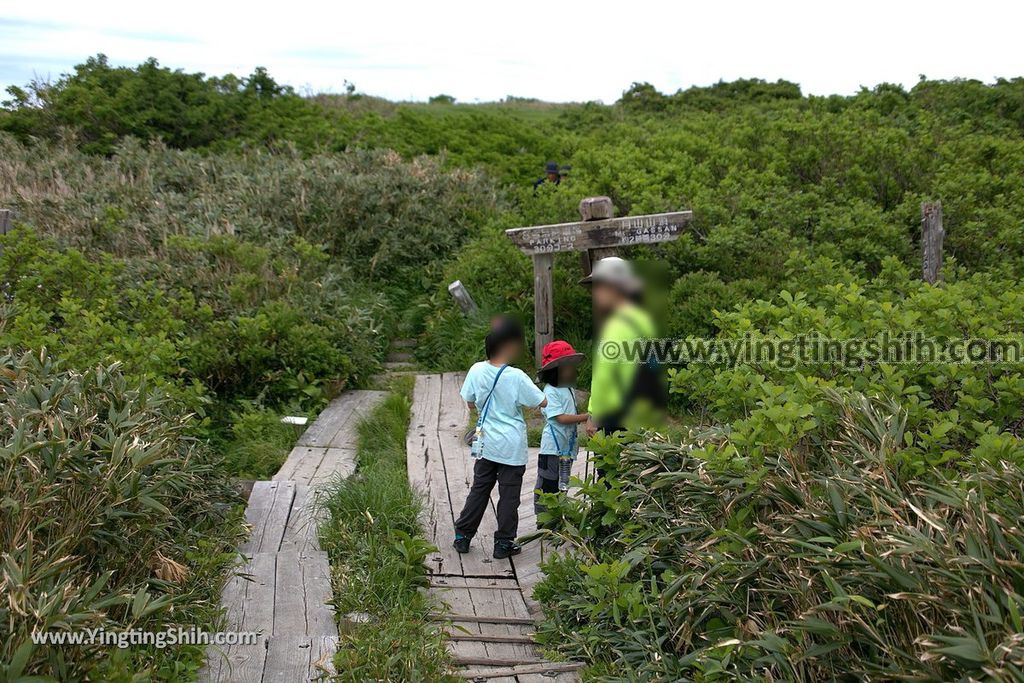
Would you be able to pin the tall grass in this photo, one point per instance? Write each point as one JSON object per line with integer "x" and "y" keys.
{"x": 377, "y": 556}
{"x": 111, "y": 518}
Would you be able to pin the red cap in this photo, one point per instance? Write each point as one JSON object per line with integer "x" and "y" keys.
{"x": 558, "y": 353}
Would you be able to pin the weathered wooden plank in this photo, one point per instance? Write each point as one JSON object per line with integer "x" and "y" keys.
{"x": 301, "y": 464}
{"x": 466, "y": 660}
{"x": 580, "y": 235}
{"x": 483, "y": 619}
{"x": 244, "y": 663}
{"x": 316, "y": 581}
{"x": 326, "y": 425}
{"x": 288, "y": 659}
{"x": 303, "y": 531}
{"x": 507, "y": 638}
{"x": 337, "y": 462}
{"x": 270, "y": 504}
{"x": 519, "y": 669}
{"x": 322, "y": 657}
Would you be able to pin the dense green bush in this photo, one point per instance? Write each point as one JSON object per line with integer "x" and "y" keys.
{"x": 823, "y": 564}
{"x": 218, "y": 319}
{"x": 955, "y": 411}
{"x": 111, "y": 518}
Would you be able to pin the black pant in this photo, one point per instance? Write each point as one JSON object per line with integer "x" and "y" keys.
{"x": 547, "y": 479}
{"x": 510, "y": 486}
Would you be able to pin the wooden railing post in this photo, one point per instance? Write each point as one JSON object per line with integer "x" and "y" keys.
{"x": 932, "y": 234}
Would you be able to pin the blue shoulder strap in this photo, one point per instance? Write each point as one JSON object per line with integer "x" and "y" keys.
{"x": 487, "y": 401}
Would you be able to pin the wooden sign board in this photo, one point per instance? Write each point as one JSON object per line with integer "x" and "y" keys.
{"x": 611, "y": 232}
{"x": 595, "y": 235}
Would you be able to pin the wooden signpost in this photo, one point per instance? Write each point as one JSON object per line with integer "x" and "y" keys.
{"x": 596, "y": 235}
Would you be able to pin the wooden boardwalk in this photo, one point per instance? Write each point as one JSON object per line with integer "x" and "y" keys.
{"x": 283, "y": 588}
{"x": 489, "y": 601}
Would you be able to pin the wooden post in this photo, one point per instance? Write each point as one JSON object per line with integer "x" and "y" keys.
{"x": 595, "y": 209}
{"x": 932, "y": 234}
{"x": 462, "y": 297}
{"x": 5, "y": 223}
{"x": 543, "y": 302}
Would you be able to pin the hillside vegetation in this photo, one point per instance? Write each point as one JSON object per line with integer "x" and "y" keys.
{"x": 249, "y": 251}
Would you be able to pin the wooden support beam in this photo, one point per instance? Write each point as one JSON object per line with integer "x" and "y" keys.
{"x": 543, "y": 302}
{"x": 478, "y": 638}
{"x": 932, "y": 234}
{"x": 520, "y": 670}
{"x": 6, "y": 215}
{"x": 611, "y": 232}
{"x": 482, "y": 619}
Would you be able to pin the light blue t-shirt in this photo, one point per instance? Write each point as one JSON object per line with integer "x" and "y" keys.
{"x": 561, "y": 401}
{"x": 504, "y": 428}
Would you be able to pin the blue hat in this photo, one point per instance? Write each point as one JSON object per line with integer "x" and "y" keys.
{"x": 551, "y": 167}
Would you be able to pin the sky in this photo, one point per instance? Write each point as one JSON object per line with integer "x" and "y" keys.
{"x": 555, "y": 50}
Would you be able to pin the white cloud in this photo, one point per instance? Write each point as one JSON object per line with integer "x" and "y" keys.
{"x": 565, "y": 50}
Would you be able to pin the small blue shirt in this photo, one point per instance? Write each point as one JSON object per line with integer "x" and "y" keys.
{"x": 504, "y": 428}
{"x": 561, "y": 401}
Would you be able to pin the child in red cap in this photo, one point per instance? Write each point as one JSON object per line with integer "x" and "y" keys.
{"x": 558, "y": 448}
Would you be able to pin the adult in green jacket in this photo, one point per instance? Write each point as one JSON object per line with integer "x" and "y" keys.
{"x": 625, "y": 392}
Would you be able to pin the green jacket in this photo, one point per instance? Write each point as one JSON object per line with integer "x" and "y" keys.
{"x": 612, "y": 379}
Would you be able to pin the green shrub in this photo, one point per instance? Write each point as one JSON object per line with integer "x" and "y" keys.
{"x": 956, "y": 412}
{"x": 111, "y": 518}
{"x": 822, "y": 564}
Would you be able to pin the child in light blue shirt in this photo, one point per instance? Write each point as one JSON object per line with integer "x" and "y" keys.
{"x": 558, "y": 441}
{"x": 499, "y": 392}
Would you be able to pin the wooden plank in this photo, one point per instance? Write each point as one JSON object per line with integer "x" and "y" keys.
{"x": 303, "y": 531}
{"x": 467, "y": 660}
{"x": 483, "y": 619}
{"x": 322, "y": 657}
{"x": 932, "y": 235}
{"x": 521, "y": 669}
{"x": 648, "y": 229}
{"x": 246, "y": 662}
{"x": 301, "y": 464}
{"x": 316, "y": 583}
{"x": 327, "y": 424}
{"x": 270, "y": 503}
{"x": 508, "y": 638}
{"x": 288, "y": 659}
{"x": 543, "y": 301}
{"x": 337, "y": 462}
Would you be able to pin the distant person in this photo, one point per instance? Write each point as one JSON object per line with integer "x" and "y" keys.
{"x": 551, "y": 175}
{"x": 498, "y": 392}
{"x": 623, "y": 394}
{"x": 558, "y": 447}
{"x": 563, "y": 172}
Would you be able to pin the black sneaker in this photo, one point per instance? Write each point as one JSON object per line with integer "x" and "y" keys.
{"x": 503, "y": 549}
{"x": 461, "y": 544}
